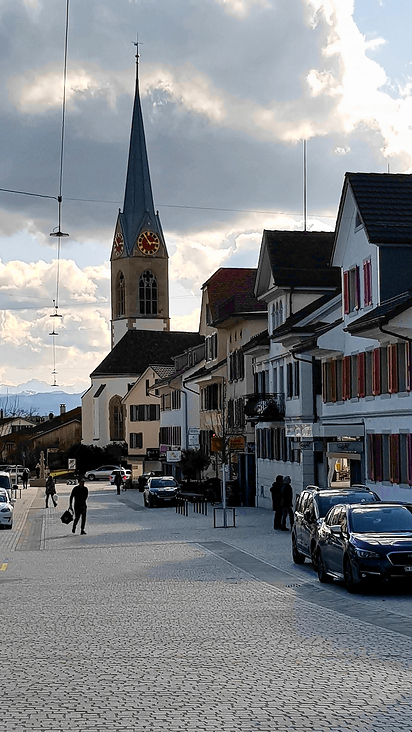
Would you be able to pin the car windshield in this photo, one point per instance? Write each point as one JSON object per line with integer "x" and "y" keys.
{"x": 158, "y": 483}
{"x": 4, "y": 481}
{"x": 326, "y": 502}
{"x": 383, "y": 520}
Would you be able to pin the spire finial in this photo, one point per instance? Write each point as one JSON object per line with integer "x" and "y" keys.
{"x": 137, "y": 43}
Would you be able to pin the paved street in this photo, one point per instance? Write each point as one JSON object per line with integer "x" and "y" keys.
{"x": 156, "y": 621}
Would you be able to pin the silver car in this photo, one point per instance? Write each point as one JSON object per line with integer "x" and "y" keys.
{"x": 160, "y": 490}
{"x": 102, "y": 473}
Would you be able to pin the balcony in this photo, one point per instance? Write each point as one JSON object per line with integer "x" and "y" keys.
{"x": 265, "y": 407}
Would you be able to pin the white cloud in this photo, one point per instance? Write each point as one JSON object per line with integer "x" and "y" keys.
{"x": 242, "y": 8}
{"x": 188, "y": 323}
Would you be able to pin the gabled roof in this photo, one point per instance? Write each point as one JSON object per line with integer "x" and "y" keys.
{"x": 259, "y": 341}
{"x": 384, "y": 205}
{"x": 383, "y": 313}
{"x": 231, "y": 292}
{"x": 140, "y": 348}
{"x": 296, "y": 259}
{"x": 206, "y": 370}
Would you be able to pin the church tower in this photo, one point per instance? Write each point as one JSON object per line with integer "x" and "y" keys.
{"x": 139, "y": 259}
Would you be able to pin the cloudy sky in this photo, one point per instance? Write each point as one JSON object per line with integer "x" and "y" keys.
{"x": 229, "y": 88}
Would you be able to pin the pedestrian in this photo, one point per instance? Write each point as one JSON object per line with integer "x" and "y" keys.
{"x": 25, "y": 477}
{"x": 118, "y": 480}
{"x": 275, "y": 490}
{"x": 37, "y": 469}
{"x": 286, "y": 502}
{"x": 50, "y": 491}
{"x": 79, "y": 495}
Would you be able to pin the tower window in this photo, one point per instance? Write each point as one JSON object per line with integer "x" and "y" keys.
{"x": 147, "y": 293}
{"x": 120, "y": 294}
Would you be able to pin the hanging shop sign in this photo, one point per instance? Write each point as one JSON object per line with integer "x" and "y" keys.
{"x": 216, "y": 444}
{"x": 237, "y": 443}
{"x": 173, "y": 456}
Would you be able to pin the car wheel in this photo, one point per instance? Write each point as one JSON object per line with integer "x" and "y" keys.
{"x": 91, "y": 477}
{"x": 297, "y": 557}
{"x": 322, "y": 575}
{"x": 350, "y": 583}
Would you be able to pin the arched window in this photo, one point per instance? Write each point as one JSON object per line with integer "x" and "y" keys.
{"x": 120, "y": 294}
{"x": 116, "y": 417}
{"x": 147, "y": 293}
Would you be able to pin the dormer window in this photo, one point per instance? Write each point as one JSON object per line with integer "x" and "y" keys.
{"x": 358, "y": 221}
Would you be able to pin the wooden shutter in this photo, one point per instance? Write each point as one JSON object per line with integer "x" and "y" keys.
{"x": 346, "y": 378}
{"x": 346, "y": 292}
{"x": 409, "y": 449}
{"x": 408, "y": 365}
{"x": 378, "y": 457}
{"x": 357, "y": 288}
{"x": 361, "y": 375}
{"x": 394, "y": 459}
{"x": 371, "y": 463}
{"x": 393, "y": 368}
{"x": 367, "y": 283}
{"x": 324, "y": 381}
{"x": 376, "y": 372}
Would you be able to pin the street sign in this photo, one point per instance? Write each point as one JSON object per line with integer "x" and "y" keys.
{"x": 237, "y": 443}
{"x": 193, "y": 439}
{"x": 71, "y": 464}
{"x": 216, "y": 444}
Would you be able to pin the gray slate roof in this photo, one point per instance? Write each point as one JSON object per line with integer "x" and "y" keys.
{"x": 138, "y": 349}
{"x": 383, "y": 313}
{"x": 384, "y": 202}
{"x": 302, "y": 258}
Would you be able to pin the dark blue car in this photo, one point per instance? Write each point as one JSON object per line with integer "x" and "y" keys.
{"x": 365, "y": 541}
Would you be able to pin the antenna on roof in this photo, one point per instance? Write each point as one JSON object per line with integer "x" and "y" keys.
{"x": 304, "y": 187}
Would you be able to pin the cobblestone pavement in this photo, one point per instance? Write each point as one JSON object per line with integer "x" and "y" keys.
{"x": 156, "y": 621}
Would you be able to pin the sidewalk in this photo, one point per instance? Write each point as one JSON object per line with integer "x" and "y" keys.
{"x": 22, "y": 506}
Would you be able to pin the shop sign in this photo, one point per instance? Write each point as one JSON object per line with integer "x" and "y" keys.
{"x": 349, "y": 446}
{"x": 237, "y": 443}
{"x": 216, "y": 444}
{"x": 173, "y": 456}
{"x": 301, "y": 429}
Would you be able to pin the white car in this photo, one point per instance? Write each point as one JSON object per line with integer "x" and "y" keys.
{"x": 5, "y": 483}
{"x": 6, "y": 510}
{"x": 102, "y": 473}
{"x": 126, "y": 474}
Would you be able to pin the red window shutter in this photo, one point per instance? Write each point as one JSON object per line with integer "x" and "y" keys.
{"x": 376, "y": 372}
{"x": 394, "y": 459}
{"x": 371, "y": 463}
{"x": 361, "y": 375}
{"x": 325, "y": 381}
{"x": 408, "y": 366}
{"x": 409, "y": 446}
{"x": 346, "y": 292}
{"x": 378, "y": 458}
{"x": 332, "y": 374}
{"x": 357, "y": 288}
{"x": 367, "y": 283}
{"x": 346, "y": 378}
{"x": 393, "y": 368}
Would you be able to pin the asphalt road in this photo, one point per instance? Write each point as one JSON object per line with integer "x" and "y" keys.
{"x": 157, "y": 621}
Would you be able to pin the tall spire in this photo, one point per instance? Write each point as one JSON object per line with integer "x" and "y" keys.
{"x": 138, "y": 207}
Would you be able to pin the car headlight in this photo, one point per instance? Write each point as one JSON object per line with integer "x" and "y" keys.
{"x": 5, "y": 510}
{"x": 366, "y": 554}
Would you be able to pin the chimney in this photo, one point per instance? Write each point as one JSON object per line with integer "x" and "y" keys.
{"x": 62, "y": 409}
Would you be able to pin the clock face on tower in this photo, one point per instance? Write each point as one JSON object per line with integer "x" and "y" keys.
{"x": 148, "y": 242}
{"x": 118, "y": 244}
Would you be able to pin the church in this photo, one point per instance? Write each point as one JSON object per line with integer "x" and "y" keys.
{"x": 140, "y": 321}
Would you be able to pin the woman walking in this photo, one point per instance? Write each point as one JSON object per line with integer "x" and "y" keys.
{"x": 50, "y": 491}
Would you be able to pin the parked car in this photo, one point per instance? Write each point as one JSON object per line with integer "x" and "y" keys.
{"x": 6, "y": 509}
{"x": 126, "y": 474}
{"x": 357, "y": 542}
{"x": 160, "y": 490}
{"x": 311, "y": 507}
{"x": 15, "y": 471}
{"x": 102, "y": 473}
{"x": 6, "y": 484}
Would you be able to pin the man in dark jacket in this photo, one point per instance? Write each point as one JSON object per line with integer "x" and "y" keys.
{"x": 275, "y": 490}
{"x": 286, "y": 502}
{"x": 117, "y": 480}
{"x": 79, "y": 495}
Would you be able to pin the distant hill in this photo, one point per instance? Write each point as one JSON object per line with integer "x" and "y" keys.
{"x": 38, "y": 404}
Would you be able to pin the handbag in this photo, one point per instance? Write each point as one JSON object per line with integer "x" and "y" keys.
{"x": 66, "y": 517}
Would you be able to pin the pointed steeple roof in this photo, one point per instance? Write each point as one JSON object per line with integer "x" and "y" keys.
{"x": 138, "y": 208}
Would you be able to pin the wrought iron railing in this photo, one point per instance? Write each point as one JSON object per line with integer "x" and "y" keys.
{"x": 265, "y": 407}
